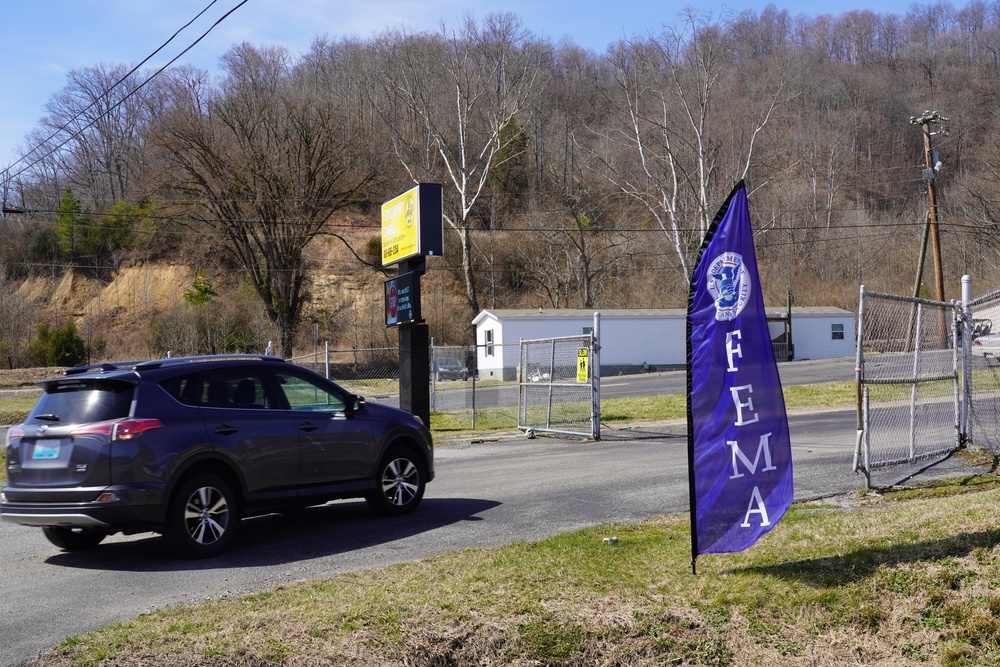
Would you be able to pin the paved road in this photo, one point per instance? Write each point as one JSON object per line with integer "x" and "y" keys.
{"x": 675, "y": 382}
{"x": 458, "y": 395}
{"x": 486, "y": 494}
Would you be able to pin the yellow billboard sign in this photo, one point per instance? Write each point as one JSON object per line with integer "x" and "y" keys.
{"x": 401, "y": 227}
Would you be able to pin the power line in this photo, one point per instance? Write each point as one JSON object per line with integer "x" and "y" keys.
{"x": 66, "y": 125}
{"x": 374, "y": 227}
{"x": 127, "y": 96}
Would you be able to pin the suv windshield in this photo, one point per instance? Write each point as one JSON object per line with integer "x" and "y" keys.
{"x": 84, "y": 401}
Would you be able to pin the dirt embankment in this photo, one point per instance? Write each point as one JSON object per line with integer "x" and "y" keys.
{"x": 22, "y": 378}
{"x": 117, "y": 310}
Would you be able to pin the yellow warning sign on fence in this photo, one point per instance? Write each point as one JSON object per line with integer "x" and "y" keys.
{"x": 582, "y": 364}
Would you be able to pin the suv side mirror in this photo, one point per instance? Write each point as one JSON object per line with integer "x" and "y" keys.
{"x": 354, "y": 404}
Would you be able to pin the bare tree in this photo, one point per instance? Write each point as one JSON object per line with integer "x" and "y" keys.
{"x": 665, "y": 150}
{"x": 451, "y": 101}
{"x": 265, "y": 162}
{"x": 575, "y": 252}
{"x": 96, "y": 127}
{"x": 581, "y": 235}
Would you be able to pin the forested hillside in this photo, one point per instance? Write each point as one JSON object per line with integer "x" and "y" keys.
{"x": 571, "y": 178}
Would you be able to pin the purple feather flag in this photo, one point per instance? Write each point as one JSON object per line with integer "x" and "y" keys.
{"x": 739, "y": 453}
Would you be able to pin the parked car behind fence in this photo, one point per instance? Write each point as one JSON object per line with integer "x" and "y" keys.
{"x": 446, "y": 368}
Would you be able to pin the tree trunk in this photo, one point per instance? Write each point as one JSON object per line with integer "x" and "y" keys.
{"x": 470, "y": 281}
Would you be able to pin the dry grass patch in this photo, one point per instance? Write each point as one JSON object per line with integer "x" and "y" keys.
{"x": 893, "y": 580}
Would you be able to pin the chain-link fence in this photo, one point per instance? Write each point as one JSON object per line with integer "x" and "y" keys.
{"x": 908, "y": 384}
{"x": 474, "y": 403}
{"x": 983, "y": 364}
{"x": 543, "y": 393}
{"x": 459, "y": 399}
{"x": 369, "y": 372}
{"x": 920, "y": 394}
{"x": 557, "y": 386}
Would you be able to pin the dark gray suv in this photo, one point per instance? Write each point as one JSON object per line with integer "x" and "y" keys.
{"x": 187, "y": 446}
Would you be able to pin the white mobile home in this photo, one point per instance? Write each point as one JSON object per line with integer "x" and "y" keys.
{"x": 634, "y": 338}
{"x": 818, "y": 332}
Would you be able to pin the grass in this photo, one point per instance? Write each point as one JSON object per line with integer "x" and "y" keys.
{"x": 672, "y": 406}
{"x": 13, "y": 409}
{"x": 635, "y": 408}
{"x": 886, "y": 579}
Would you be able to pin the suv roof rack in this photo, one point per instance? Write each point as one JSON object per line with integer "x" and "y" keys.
{"x": 105, "y": 367}
{"x": 167, "y": 361}
{"x": 176, "y": 361}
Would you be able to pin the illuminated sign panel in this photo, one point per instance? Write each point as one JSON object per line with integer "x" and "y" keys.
{"x": 402, "y": 300}
{"x": 412, "y": 224}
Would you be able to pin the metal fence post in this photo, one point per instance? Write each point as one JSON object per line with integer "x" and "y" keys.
{"x": 552, "y": 377}
{"x": 867, "y": 438}
{"x": 956, "y": 337}
{"x": 859, "y": 368}
{"x": 522, "y": 409}
{"x": 966, "y": 324}
{"x": 433, "y": 356}
{"x": 595, "y": 374}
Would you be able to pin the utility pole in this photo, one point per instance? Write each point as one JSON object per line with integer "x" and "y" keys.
{"x": 930, "y": 172}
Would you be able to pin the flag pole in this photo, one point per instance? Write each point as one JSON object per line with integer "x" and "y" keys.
{"x": 692, "y": 495}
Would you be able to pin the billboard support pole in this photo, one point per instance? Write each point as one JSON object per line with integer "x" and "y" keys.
{"x": 414, "y": 351}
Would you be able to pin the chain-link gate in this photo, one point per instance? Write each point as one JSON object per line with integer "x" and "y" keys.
{"x": 559, "y": 386}
{"x": 908, "y": 374}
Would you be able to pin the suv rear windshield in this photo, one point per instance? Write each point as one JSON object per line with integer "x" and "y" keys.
{"x": 83, "y": 401}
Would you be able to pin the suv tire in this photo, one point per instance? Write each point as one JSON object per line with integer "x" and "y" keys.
{"x": 399, "y": 483}
{"x": 74, "y": 539}
{"x": 203, "y": 517}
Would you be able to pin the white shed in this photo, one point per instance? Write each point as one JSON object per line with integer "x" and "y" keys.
{"x": 631, "y": 338}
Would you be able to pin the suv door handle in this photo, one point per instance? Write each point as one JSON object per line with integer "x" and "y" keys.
{"x": 308, "y": 427}
{"x": 225, "y": 429}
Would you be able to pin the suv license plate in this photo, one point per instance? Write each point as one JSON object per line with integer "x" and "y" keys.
{"x": 46, "y": 451}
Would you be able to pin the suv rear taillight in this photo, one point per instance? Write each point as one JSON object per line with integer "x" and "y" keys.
{"x": 133, "y": 428}
{"x": 126, "y": 429}
{"x": 14, "y": 433}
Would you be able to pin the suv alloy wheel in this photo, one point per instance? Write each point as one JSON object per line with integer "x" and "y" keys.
{"x": 399, "y": 484}
{"x": 203, "y": 517}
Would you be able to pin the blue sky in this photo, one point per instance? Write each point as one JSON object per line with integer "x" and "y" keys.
{"x": 44, "y": 39}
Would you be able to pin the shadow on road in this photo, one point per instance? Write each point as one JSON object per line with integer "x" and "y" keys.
{"x": 288, "y": 537}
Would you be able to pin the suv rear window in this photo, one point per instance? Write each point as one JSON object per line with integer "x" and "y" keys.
{"x": 84, "y": 401}
{"x": 222, "y": 388}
